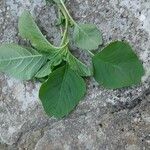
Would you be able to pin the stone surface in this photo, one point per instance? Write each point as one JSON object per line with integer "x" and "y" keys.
{"x": 105, "y": 119}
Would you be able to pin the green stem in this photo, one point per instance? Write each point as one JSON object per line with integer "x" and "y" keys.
{"x": 59, "y": 17}
{"x": 67, "y": 15}
{"x": 59, "y": 47}
{"x": 67, "y": 12}
{"x": 90, "y": 53}
{"x": 66, "y": 25}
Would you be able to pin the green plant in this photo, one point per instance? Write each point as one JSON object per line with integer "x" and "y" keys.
{"x": 116, "y": 66}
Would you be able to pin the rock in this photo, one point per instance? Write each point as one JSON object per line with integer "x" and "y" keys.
{"x": 105, "y": 119}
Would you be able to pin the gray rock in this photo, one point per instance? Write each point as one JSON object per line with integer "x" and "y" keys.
{"x": 105, "y": 119}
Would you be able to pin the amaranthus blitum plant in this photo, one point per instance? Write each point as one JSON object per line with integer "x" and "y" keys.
{"x": 116, "y": 66}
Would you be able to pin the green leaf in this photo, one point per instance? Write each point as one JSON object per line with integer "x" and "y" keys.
{"x": 87, "y": 36}
{"x": 44, "y": 71}
{"x": 29, "y": 30}
{"x": 78, "y": 66}
{"x": 54, "y": 60}
{"x": 20, "y": 62}
{"x": 57, "y": 57}
{"x": 62, "y": 92}
{"x": 117, "y": 66}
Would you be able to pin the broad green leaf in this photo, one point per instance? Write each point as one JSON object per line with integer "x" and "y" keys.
{"x": 78, "y": 66}
{"x": 62, "y": 92}
{"x": 117, "y": 66}
{"x": 29, "y": 30}
{"x": 44, "y": 71}
{"x": 20, "y": 62}
{"x": 87, "y": 36}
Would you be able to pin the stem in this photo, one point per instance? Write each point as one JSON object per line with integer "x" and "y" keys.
{"x": 59, "y": 16}
{"x": 59, "y": 47}
{"x": 90, "y": 53}
{"x": 66, "y": 25}
{"x": 67, "y": 12}
{"x": 67, "y": 15}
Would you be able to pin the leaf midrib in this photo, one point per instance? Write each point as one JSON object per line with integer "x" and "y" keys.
{"x": 112, "y": 64}
{"x": 63, "y": 79}
{"x": 26, "y": 57}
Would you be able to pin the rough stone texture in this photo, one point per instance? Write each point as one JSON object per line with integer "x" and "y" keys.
{"x": 105, "y": 119}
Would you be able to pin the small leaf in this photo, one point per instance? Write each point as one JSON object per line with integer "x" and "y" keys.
{"x": 117, "y": 66}
{"x": 29, "y": 30}
{"x": 87, "y": 36}
{"x": 44, "y": 71}
{"x": 20, "y": 62}
{"x": 78, "y": 66}
{"x": 55, "y": 59}
{"x": 62, "y": 92}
